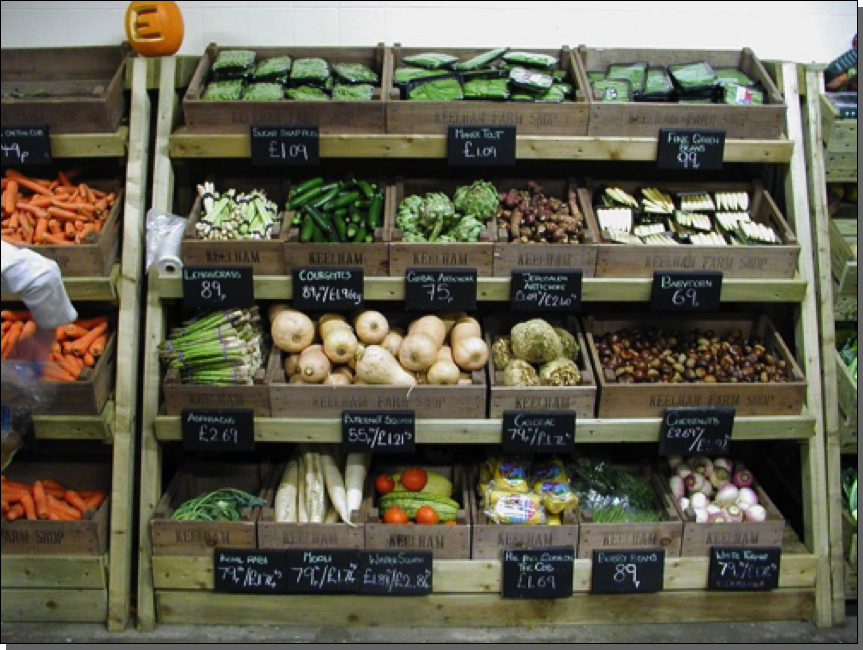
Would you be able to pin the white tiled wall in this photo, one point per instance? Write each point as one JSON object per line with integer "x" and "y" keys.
{"x": 796, "y": 31}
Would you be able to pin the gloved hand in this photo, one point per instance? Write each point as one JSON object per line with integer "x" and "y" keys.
{"x": 37, "y": 281}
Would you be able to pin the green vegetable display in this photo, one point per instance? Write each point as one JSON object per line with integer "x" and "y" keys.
{"x": 346, "y": 211}
{"x": 222, "y": 348}
{"x": 233, "y": 215}
{"x": 849, "y": 490}
{"x": 613, "y": 496}
{"x": 849, "y": 355}
{"x": 436, "y": 218}
{"x": 267, "y": 92}
{"x": 353, "y": 93}
{"x": 437, "y": 90}
{"x": 226, "y": 504}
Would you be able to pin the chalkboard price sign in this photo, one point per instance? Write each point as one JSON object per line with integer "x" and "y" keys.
{"x": 396, "y": 573}
{"x": 689, "y": 431}
{"x": 249, "y": 571}
{"x": 480, "y": 146}
{"x": 284, "y": 144}
{"x": 539, "y": 432}
{"x": 686, "y": 290}
{"x": 744, "y": 569}
{"x": 384, "y": 432}
{"x": 25, "y": 145}
{"x": 216, "y": 430}
{"x": 218, "y": 287}
{"x": 327, "y": 288}
{"x": 538, "y": 572}
{"x": 316, "y": 571}
{"x": 695, "y": 149}
{"x": 627, "y": 572}
{"x": 440, "y": 289}
{"x": 546, "y": 290}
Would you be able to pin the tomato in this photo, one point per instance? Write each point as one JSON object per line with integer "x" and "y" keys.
{"x": 395, "y": 515}
{"x": 451, "y": 522}
{"x": 427, "y": 515}
{"x": 414, "y": 479}
{"x": 385, "y": 484}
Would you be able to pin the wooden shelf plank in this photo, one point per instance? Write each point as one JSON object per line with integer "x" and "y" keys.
{"x": 488, "y": 431}
{"x": 183, "y": 144}
{"x": 489, "y": 610}
{"x": 483, "y": 576}
{"x": 76, "y": 427}
{"x": 54, "y": 571}
{"x": 498, "y": 289}
{"x": 52, "y": 605}
{"x": 97, "y": 289}
{"x": 90, "y": 145}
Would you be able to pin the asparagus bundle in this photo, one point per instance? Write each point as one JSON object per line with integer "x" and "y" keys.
{"x": 234, "y": 215}
{"x": 221, "y": 348}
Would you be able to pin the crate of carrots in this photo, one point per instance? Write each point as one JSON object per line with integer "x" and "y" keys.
{"x": 80, "y": 366}
{"x": 76, "y": 224}
{"x": 55, "y": 508}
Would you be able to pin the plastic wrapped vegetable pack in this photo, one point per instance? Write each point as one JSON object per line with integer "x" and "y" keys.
{"x": 355, "y": 73}
{"x": 273, "y": 69}
{"x": 233, "y": 64}
{"x": 353, "y": 93}
{"x": 312, "y": 71}
{"x": 264, "y": 92}
{"x": 439, "y": 89}
{"x": 515, "y": 491}
{"x": 431, "y": 60}
{"x": 223, "y": 91}
{"x": 613, "y": 496}
{"x": 634, "y": 73}
{"x": 530, "y": 60}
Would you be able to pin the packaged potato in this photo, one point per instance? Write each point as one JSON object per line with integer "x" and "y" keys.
{"x": 552, "y": 471}
{"x": 515, "y": 508}
{"x": 556, "y": 497}
{"x": 511, "y": 475}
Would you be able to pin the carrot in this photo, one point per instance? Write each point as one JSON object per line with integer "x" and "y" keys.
{"x": 54, "y": 372}
{"x": 90, "y": 323}
{"x": 29, "y": 507}
{"x": 55, "y": 489}
{"x": 89, "y": 360}
{"x": 29, "y": 329}
{"x": 65, "y": 215}
{"x": 56, "y": 240}
{"x": 62, "y": 508}
{"x": 74, "y": 499}
{"x": 69, "y": 230}
{"x": 41, "y": 230}
{"x": 4, "y": 506}
{"x": 40, "y": 499}
{"x": 10, "y": 197}
{"x": 86, "y": 230}
{"x": 74, "y": 331}
{"x": 54, "y": 227}
{"x": 39, "y": 212}
{"x": 16, "y": 511}
{"x": 41, "y": 201}
{"x": 5, "y": 325}
{"x": 12, "y": 495}
{"x": 83, "y": 344}
{"x": 95, "y": 499}
{"x": 69, "y": 366}
{"x": 98, "y": 347}
{"x": 78, "y": 361}
{"x": 20, "y": 314}
{"x": 64, "y": 180}
{"x": 13, "y": 338}
{"x": 32, "y": 185}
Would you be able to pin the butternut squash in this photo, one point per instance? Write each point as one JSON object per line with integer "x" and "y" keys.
{"x": 470, "y": 353}
{"x": 444, "y": 354}
{"x": 292, "y": 331}
{"x": 371, "y": 327}
{"x": 465, "y": 329}
{"x": 393, "y": 341}
{"x": 377, "y": 366}
{"x": 314, "y": 367}
{"x": 277, "y": 308}
{"x": 340, "y": 345}
{"x": 431, "y": 326}
{"x": 335, "y": 322}
{"x": 337, "y": 380}
{"x": 292, "y": 364}
{"x": 418, "y": 351}
{"x": 443, "y": 372}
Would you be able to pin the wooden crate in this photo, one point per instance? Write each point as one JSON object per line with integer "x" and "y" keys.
{"x": 87, "y": 395}
{"x": 581, "y": 399}
{"x": 206, "y": 116}
{"x": 87, "y": 537}
{"x": 666, "y": 534}
{"x": 84, "y": 87}
{"x": 275, "y": 534}
{"x": 534, "y": 257}
{"x": 199, "y": 538}
{"x": 489, "y": 540}
{"x": 698, "y": 539}
{"x": 778, "y": 261}
{"x": 97, "y": 256}
{"x": 847, "y": 390}
{"x": 185, "y": 396}
{"x": 319, "y": 401}
{"x": 850, "y": 581}
{"x": 416, "y": 117}
{"x": 445, "y": 542}
{"x": 840, "y": 136}
{"x": 840, "y": 167}
{"x": 405, "y": 255}
{"x": 373, "y": 258}
{"x": 650, "y": 400}
{"x": 645, "y": 119}
{"x": 265, "y": 257}
{"x": 843, "y": 254}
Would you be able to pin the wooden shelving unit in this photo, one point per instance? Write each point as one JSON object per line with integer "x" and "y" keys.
{"x": 467, "y": 592}
{"x": 98, "y": 589}
{"x": 825, "y": 155}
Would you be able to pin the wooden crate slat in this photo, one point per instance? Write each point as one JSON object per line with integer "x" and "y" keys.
{"x": 54, "y": 572}
{"x": 51, "y": 605}
{"x": 78, "y": 427}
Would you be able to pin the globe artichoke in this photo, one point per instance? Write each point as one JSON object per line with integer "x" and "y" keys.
{"x": 479, "y": 200}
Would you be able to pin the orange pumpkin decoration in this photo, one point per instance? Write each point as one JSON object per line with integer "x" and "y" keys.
{"x": 154, "y": 28}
